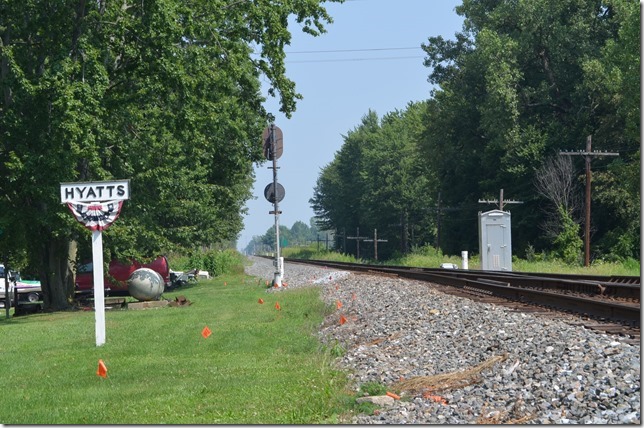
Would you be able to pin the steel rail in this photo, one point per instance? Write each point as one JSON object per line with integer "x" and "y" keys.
{"x": 498, "y": 286}
{"x": 584, "y": 284}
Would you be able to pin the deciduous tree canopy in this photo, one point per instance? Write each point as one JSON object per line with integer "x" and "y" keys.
{"x": 523, "y": 81}
{"x": 164, "y": 93}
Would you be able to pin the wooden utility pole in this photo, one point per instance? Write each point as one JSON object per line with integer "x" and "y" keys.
{"x": 327, "y": 241}
{"x": 438, "y": 222}
{"x": 500, "y": 201}
{"x": 375, "y": 241}
{"x": 588, "y": 155}
{"x": 357, "y": 238}
{"x": 344, "y": 240}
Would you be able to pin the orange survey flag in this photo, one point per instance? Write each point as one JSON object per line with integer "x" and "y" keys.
{"x": 102, "y": 370}
{"x": 260, "y": 301}
{"x": 342, "y": 319}
{"x": 277, "y": 306}
{"x": 206, "y": 332}
{"x": 338, "y": 304}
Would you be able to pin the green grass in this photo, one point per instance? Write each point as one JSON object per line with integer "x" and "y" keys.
{"x": 431, "y": 258}
{"x": 599, "y": 267}
{"x": 311, "y": 252}
{"x": 259, "y": 366}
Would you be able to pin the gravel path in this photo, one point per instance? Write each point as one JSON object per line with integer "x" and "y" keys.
{"x": 540, "y": 370}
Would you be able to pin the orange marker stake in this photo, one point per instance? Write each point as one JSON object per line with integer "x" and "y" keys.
{"x": 277, "y": 306}
{"x": 102, "y": 369}
{"x": 260, "y": 301}
{"x": 338, "y": 304}
{"x": 342, "y": 319}
{"x": 206, "y": 332}
{"x": 394, "y": 396}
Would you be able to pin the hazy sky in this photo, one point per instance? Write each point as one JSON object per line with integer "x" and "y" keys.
{"x": 369, "y": 59}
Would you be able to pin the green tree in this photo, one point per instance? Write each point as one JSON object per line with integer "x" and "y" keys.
{"x": 568, "y": 244}
{"x": 337, "y": 196}
{"x": 300, "y": 233}
{"x": 398, "y": 185}
{"x": 378, "y": 180}
{"x": 164, "y": 93}
{"x": 268, "y": 239}
{"x": 520, "y": 83}
{"x": 612, "y": 81}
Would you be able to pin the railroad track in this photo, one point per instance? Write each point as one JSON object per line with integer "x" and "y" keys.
{"x": 609, "y": 304}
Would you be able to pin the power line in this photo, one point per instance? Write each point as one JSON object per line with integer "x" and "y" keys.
{"x": 352, "y": 50}
{"x": 353, "y": 59}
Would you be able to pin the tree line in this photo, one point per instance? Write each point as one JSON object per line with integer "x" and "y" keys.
{"x": 165, "y": 93}
{"x": 521, "y": 84}
{"x": 300, "y": 234}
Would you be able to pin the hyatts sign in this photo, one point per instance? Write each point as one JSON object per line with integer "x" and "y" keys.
{"x": 96, "y": 205}
{"x": 92, "y": 191}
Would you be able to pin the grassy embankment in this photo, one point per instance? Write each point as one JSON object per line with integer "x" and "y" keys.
{"x": 260, "y": 365}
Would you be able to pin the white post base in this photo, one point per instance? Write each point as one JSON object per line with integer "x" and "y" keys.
{"x": 465, "y": 261}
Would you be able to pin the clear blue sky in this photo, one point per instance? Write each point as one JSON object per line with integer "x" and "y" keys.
{"x": 381, "y": 69}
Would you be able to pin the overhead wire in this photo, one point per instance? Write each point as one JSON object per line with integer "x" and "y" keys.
{"x": 350, "y": 51}
{"x": 353, "y": 59}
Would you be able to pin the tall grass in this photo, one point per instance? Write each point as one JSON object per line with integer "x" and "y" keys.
{"x": 215, "y": 261}
{"x": 260, "y": 365}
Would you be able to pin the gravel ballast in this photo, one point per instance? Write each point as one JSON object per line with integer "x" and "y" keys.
{"x": 540, "y": 370}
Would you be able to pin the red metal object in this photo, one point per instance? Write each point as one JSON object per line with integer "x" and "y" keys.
{"x": 118, "y": 274}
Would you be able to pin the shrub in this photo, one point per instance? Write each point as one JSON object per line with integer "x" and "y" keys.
{"x": 568, "y": 243}
{"x": 216, "y": 262}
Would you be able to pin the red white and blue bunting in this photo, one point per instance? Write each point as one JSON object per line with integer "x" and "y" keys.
{"x": 96, "y": 215}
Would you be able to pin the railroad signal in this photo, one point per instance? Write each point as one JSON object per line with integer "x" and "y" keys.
{"x": 273, "y": 144}
{"x": 274, "y": 192}
{"x": 273, "y": 150}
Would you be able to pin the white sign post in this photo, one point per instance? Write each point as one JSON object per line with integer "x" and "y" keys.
{"x": 99, "y": 286}
{"x": 96, "y": 205}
